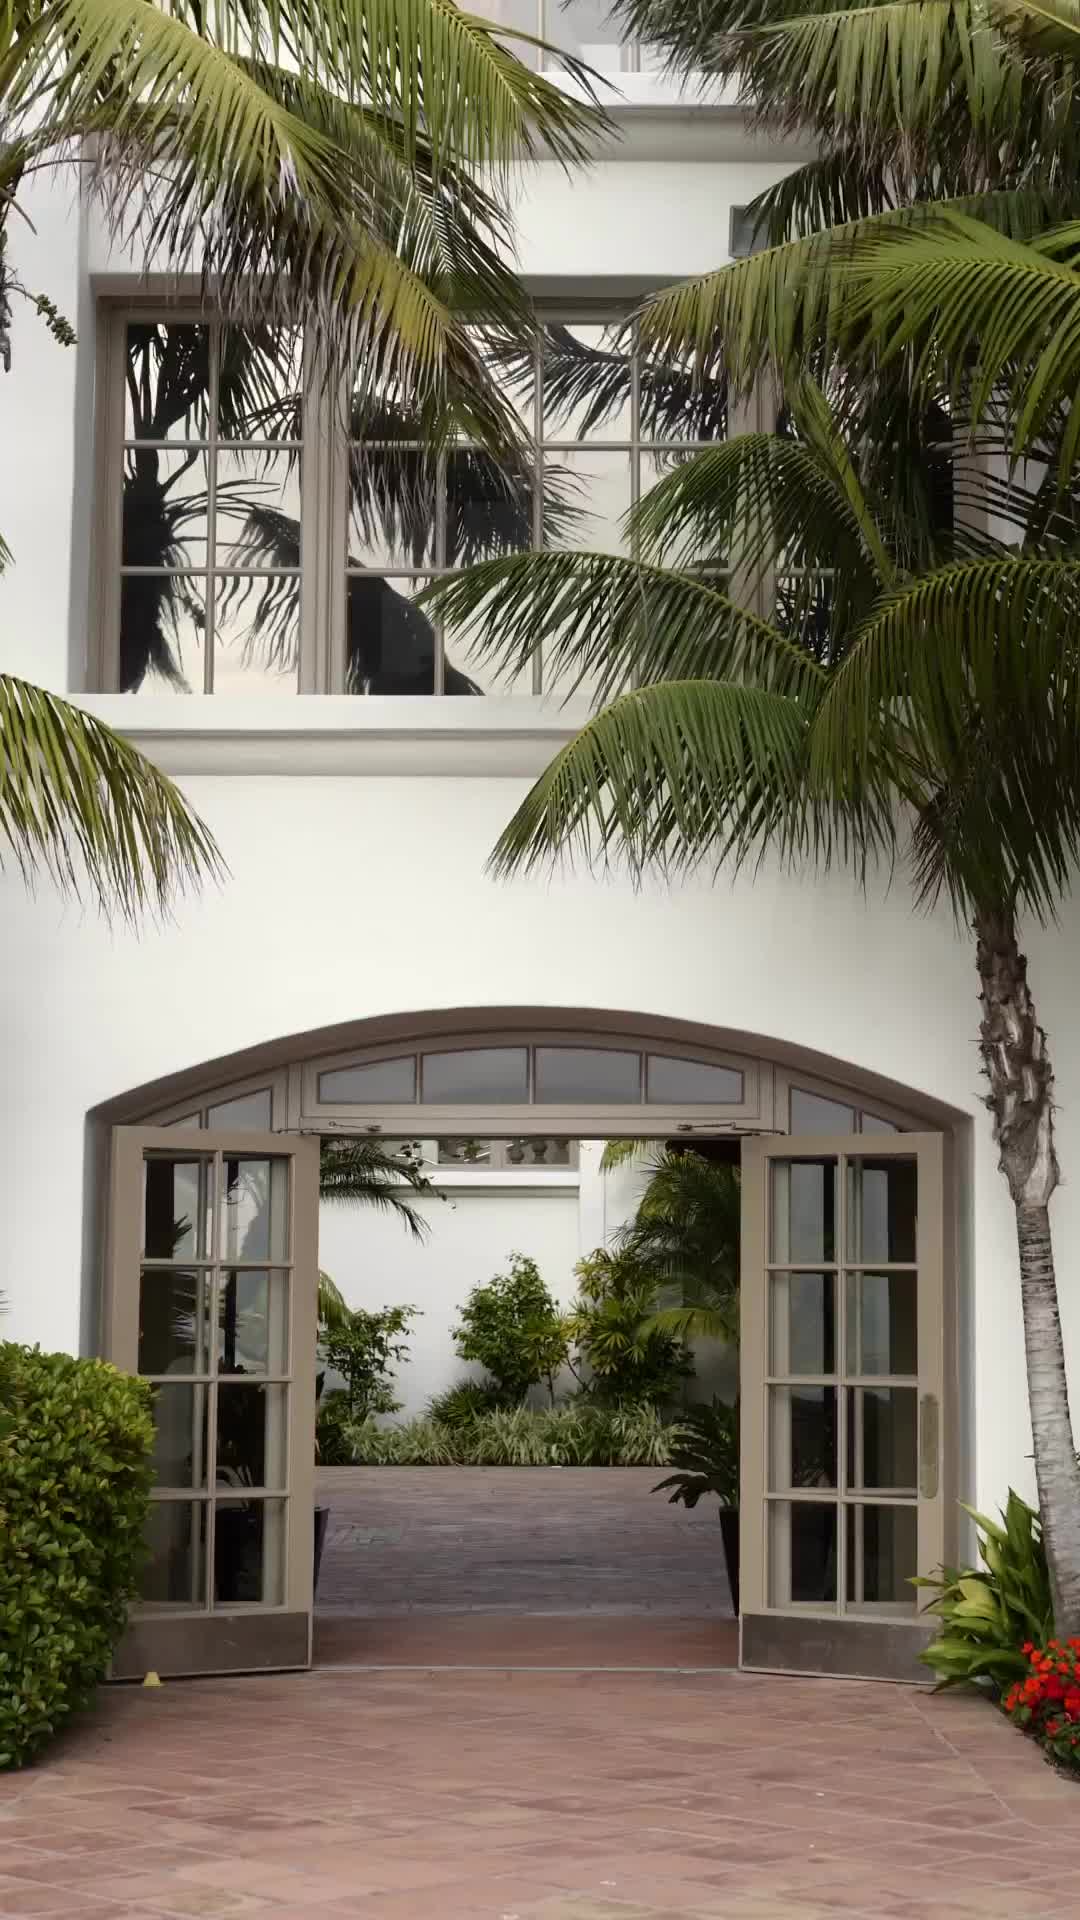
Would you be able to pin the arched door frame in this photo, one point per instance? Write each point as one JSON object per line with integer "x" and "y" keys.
{"x": 289, "y": 1063}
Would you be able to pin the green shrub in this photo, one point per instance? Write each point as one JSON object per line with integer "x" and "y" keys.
{"x": 366, "y": 1346}
{"x": 75, "y": 1473}
{"x": 465, "y": 1402}
{"x": 513, "y": 1328}
{"x": 580, "y": 1433}
{"x": 629, "y": 1357}
{"x": 988, "y": 1614}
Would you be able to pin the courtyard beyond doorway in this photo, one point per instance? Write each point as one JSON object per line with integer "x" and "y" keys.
{"x": 568, "y": 1568}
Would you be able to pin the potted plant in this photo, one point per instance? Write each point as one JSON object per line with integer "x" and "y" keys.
{"x": 706, "y": 1460}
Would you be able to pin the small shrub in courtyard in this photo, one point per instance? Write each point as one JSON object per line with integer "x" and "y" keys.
{"x": 987, "y": 1613}
{"x": 75, "y": 1473}
{"x": 513, "y": 1328}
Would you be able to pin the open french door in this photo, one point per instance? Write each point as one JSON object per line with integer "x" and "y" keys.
{"x": 211, "y": 1295}
{"x": 843, "y": 1492}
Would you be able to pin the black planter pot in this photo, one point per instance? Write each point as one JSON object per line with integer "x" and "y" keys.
{"x": 322, "y": 1516}
{"x": 729, "y": 1529}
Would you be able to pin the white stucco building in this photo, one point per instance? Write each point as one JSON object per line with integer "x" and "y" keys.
{"x": 358, "y": 933}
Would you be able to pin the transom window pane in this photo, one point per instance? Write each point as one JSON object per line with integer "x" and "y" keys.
{"x": 253, "y": 1110}
{"x": 669, "y": 1082}
{"x": 392, "y": 1081}
{"x": 568, "y": 1076}
{"x": 812, "y": 1113}
{"x": 476, "y": 1075}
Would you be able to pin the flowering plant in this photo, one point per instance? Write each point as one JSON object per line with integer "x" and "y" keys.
{"x": 1046, "y": 1703}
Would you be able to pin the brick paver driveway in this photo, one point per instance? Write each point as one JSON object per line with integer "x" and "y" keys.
{"x": 509, "y": 1796}
{"x": 519, "y": 1565}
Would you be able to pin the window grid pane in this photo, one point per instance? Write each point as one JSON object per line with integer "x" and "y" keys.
{"x": 601, "y": 428}
{"x": 210, "y": 513}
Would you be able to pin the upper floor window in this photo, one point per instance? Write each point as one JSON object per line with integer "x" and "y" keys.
{"x": 582, "y": 27}
{"x": 256, "y": 537}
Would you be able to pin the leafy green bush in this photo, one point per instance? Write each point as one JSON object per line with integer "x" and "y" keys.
{"x": 75, "y": 1473}
{"x": 513, "y": 1328}
{"x": 366, "y": 1346}
{"x": 629, "y": 1357}
{"x": 465, "y": 1402}
{"x": 578, "y": 1434}
{"x": 988, "y": 1615}
{"x": 706, "y": 1459}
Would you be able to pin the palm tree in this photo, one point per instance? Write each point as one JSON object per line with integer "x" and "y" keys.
{"x": 916, "y": 687}
{"x": 685, "y": 1234}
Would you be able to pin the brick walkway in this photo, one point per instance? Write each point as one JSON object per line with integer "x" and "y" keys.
{"x": 539, "y": 1797}
{"x": 520, "y": 1566}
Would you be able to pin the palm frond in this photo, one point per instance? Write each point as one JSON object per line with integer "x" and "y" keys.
{"x": 622, "y": 1153}
{"x": 790, "y": 306}
{"x": 80, "y": 805}
{"x": 359, "y": 1171}
{"x": 979, "y": 315}
{"x": 963, "y": 689}
{"x": 672, "y": 776}
{"x": 333, "y": 1308}
{"x": 612, "y": 620}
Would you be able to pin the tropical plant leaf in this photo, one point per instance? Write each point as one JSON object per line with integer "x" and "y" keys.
{"x": 79, "y": 804}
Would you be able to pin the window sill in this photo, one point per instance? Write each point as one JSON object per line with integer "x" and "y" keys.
{"x": 329, "y": 734}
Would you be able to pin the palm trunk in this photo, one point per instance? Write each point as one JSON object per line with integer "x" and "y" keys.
{"x": 1017, "y": 1064}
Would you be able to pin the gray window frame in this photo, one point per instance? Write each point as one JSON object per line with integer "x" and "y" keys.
{"x": 324, "y": 495}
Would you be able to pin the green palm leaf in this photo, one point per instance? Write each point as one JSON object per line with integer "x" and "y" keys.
{"x": 613, "y": 619}
{"x": 79, "y": 804}
{"x": 673, "y": 775}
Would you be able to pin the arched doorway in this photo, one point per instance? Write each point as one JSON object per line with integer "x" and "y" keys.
{"x": 848, "y": 1436}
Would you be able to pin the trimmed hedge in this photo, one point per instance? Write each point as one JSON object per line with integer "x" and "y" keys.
{"x": 75, "y": 1473}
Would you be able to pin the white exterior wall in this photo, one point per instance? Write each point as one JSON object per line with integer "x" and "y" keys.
{"x": 327, "y": 916}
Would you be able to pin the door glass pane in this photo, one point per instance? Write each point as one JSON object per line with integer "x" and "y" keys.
{"x": 802, "y": 1323}
{"x": 249, "y": 1553}
{"x": 882, "y": 1331}
{"x": 802, "y": 1554}
{"x": 180, "y": 1436}
{"x": 476, "y": 1074}
{"x": 247, "y": 1110}
{"x": 812, "y": 1113}
{"x": 251, "y": 1435}
{"x": 254, "y": 1223}
{"x": 570, "y": 1075}
{"x": 391, "y": 1080}
{"x": 802, "y": 1212}
{"x": 802, "y": 1437}
{"x": 671, "y": 1081}
{"x": 882, "y": 1557}
{"x": 881, "y": 1210}
{"x": 882, "y": 1438}
{"x": 253, "y": 1321}
{"x": 172, "y": 1320}
{"x": 175, "y": 1203}
{"x": 873, "y": 1123}
{"x": 174, "y": 1574}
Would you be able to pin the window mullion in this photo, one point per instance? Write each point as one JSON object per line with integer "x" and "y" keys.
{"x": 211, "y": 507}
{"x": 538, "y": 480}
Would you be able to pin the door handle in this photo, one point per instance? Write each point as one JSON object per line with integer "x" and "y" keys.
{"x": 929, "y": 1445}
